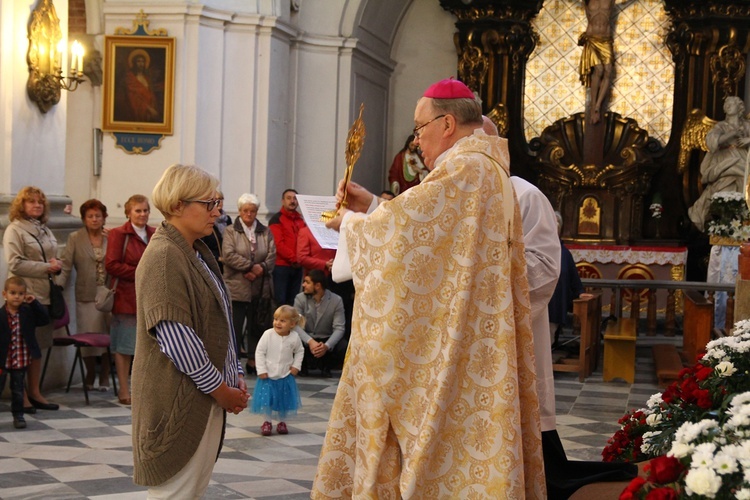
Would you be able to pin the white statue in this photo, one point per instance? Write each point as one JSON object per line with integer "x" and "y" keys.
{"x": 723, "y": 167}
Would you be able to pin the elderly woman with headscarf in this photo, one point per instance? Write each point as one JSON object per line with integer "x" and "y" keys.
{"x": 249, "y": 254}
{"x": 186, "y": 373}
{"x": 30, "y": 251}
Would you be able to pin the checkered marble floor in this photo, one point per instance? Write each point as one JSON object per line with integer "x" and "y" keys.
{"x": 85, "y": 451}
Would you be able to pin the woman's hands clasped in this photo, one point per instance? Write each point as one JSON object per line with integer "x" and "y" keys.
{"x": 232, "y": 399}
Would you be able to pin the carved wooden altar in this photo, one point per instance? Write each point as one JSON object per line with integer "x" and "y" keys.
{"x": 601, "y": 205}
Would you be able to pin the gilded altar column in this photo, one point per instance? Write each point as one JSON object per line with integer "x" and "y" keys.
{"x": 493, "y": 44}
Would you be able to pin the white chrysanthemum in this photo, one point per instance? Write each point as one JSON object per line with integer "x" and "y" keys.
{"x": 655, "y": 400}
{"x": 742, "y": 494}
{"x": 703, "y": 456}
{"x": 740, "y": 399}
{"x": 689, "y": 432}
{"x": 647, "y": 444}
{"x": 724, "y": 464}
{"x": 718, "y": 354}
{"x": 742, "y": 326}
{"x": 725, "y": 369}
{"x": 703, "y": 481}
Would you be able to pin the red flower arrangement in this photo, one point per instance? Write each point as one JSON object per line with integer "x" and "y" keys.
{"x": 697, "y": 432}
{"x": 625, "y": 444}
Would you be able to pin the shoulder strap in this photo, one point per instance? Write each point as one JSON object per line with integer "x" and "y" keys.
{"x": 44, "y": 256}
{"x": 124, "y": 246}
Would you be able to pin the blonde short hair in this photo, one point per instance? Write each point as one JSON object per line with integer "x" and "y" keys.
{"x": 181, "y": 183}
{"x": 26, "y": 194}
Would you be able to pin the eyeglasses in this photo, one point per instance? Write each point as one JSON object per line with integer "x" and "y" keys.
{"x": 211, "y": 204}
{"x": 417, "y": 130}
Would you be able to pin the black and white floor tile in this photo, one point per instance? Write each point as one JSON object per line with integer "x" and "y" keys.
{"x": 84, "y": 452}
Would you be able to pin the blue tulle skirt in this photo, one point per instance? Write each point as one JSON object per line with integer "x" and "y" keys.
{"x": 276, "y": 397}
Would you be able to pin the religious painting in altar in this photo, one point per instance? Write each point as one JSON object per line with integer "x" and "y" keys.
{"x": 589, "y": 217}
{"x": 138, "y": 85}
{"x": 643, "y": 82}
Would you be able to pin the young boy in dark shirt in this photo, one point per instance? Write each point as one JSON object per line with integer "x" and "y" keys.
{"x": 19, "y": 317}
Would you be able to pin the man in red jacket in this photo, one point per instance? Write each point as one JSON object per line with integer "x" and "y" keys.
{"x": 285, "y": 226}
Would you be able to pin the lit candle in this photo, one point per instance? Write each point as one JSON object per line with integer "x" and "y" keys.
{"x": 80, "y": 58}
{"x": 58, "y": 56}
{"x": 77, "y": 51}
{"x": 73, "y": 59}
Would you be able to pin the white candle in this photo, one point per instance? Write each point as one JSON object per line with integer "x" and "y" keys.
{"x": 58, "y": 56}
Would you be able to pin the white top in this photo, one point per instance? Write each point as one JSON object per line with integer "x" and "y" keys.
{"x": 250, "y": 231}
{"x": 140, "y": 231}
{"x": 276, "y": 354}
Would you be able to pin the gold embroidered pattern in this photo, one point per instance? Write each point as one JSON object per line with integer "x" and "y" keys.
{"x": 440, "y": 364}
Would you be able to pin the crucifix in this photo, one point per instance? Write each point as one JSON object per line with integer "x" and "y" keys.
{"x": 596, "y": 71}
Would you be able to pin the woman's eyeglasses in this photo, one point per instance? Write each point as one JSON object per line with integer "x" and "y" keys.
{"x": 210, "y": 204}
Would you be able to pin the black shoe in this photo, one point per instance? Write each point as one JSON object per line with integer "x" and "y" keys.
{"x": 43, "y": 406}
{"x": 250, "y": 370}
{"x": 19, "y": 422}
{"x": 29, "y": 409}
{"x": 325, "y": 373}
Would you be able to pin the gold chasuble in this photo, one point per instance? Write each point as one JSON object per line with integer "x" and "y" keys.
{"x": 438, "y": 398}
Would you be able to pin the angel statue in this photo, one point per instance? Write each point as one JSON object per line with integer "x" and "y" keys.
{"x": 724, "y": 166}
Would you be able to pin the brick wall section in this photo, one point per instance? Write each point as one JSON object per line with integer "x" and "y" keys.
{"x": 76, "y": 16}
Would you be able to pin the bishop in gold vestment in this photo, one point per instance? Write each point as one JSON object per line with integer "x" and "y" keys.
{"x": 437, "y": 398}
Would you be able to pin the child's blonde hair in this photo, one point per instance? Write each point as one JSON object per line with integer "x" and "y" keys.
{"x": 291, "y": 313}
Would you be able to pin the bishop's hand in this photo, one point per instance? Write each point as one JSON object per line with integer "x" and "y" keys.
{"x": 358, "y": 199}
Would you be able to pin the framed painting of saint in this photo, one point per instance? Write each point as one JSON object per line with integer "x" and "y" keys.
{"x": 138, "y": 85}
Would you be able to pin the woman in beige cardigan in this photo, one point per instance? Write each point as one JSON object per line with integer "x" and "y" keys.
{"x": 85, "y": 251}
{"x": 249, "y": 255}
{"x": 31, "y": 251}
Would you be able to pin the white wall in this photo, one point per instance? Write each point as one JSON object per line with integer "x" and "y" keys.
{"x": 32, "y": 144}
{"x": 231, "y": 101}
{"x": 423, "y": 56}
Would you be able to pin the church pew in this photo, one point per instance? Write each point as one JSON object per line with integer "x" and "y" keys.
{"x": 587, "y": 314}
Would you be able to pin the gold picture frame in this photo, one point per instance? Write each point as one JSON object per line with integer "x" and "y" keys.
{"x": 138, "y": 84}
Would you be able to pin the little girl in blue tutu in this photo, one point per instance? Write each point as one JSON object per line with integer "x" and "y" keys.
{"x": 278, "y": 359}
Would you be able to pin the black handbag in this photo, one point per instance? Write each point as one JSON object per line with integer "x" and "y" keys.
{"x": 56, "y": 300}
{"x": 264, "y": 308}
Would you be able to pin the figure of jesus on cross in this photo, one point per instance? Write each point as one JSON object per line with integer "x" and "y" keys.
{"x": 598, "y": 57}
{"x": 596, "y": 68}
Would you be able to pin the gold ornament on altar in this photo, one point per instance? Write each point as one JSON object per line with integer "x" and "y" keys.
{"x": 354, "y": 142}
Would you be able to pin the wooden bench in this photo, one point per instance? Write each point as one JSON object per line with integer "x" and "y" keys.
{"x": 667, "y": 363}
{"x": 619, "y": 349}
{"x": 698, "y": 321}
{"x": 587, "y": 317}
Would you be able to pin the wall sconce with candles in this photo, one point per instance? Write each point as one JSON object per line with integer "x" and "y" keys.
{"x": 45, "y": 58}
